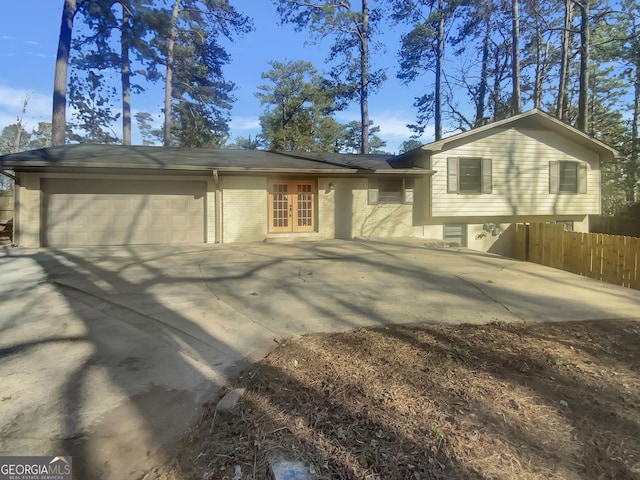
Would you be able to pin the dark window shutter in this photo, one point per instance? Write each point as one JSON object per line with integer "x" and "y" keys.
{"x": 582, "y": 178}
{"x": 487, "y": 180}
{"x": 373, "y": 191}
{"x": 553, "y": 177}
{"x": 452, "y": 175}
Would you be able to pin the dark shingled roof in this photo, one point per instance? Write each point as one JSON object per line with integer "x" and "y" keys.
{"x": 144, "y": 157}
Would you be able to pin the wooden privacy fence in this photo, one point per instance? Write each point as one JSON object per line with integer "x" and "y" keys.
{"x": 629, "y": 226}
{"x": 610, "y": 258}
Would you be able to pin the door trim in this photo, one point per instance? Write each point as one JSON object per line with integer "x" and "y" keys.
{"x": 299, "y": 205}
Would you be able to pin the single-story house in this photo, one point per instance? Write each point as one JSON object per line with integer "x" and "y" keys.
{"x": 468, "y": 188}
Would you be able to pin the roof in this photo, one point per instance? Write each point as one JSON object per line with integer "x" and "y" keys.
{"x": 533, "y": 119}
{"x": 198, "y": 159}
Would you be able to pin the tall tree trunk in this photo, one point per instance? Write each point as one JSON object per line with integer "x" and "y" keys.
{"x": 583, "y": 96}
{"x": 58, "y": 118}
{"x": 563, "y": 87}
{"x": 540, "y": 70}
{"x": 364, "y": 79}
{"x": 484, "y": 73}
{"x": 439, "y": 72}
{"x": 126, "y": 72}
{"x": 516, "y": 98}
{"x": 168, "y": 80}
{"x": 634, "y": 194}
{"x": 497, "y": 89}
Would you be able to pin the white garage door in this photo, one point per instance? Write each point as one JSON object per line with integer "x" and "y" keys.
{"x": 122, "y": 212}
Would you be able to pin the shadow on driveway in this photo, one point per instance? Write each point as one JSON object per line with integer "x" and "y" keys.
{"x": 110, "y": 353}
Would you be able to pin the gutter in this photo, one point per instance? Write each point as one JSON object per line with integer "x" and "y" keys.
{"x": 7, "y": 174}
{"x": 39, "y": 166}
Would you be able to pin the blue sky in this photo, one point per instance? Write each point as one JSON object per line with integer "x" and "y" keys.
{"x": 28, "y": 42}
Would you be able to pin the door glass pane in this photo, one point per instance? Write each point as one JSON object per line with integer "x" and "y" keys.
{"x": 280, "y": 205}
{"x": 305, "y": 206}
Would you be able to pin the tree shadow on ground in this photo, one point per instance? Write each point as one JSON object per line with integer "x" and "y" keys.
{"x": 474, "y": 401}
{"x": 191, "y": 352}
{"x": 152, "y": 373}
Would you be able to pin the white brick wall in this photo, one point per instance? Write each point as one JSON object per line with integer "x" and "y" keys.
{"x": 244, "y": 209}
{"x": 211, "y": 211}
{"x": 29, "y": 210}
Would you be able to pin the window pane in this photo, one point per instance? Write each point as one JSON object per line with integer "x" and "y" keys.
{"x": 280, "y": 205}
{"x": 470, "y": 175}
{"x": 305, "y": 206}
{"x": 568, "y": 177}
{"x": 390, "y": 190}
{"x": 455, "y": 233}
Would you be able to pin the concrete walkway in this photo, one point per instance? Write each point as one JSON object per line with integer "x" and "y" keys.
{"x": 109, "y": 353}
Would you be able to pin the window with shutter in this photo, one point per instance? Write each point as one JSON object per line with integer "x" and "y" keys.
{"x": 567, "y": 177}
{"x": 390, "y": 191}
{"x": 469, "y": 175}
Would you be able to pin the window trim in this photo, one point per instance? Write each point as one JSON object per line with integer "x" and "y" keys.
{"x": 555, "y": 168}
{"x": 464, "y": 232}
{"x": 486, "y": 176}
{"x": 406, "y": 194}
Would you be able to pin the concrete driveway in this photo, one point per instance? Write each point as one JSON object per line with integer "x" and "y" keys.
{"x": 109, "y": 353}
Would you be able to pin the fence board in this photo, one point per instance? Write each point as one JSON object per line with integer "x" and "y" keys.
{"x": 610, "y": 258}
{"x": 520, "y": 241}
{"x": 634, "y": 263}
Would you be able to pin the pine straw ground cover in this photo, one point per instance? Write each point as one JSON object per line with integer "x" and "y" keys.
{"x": 525, "y": 401}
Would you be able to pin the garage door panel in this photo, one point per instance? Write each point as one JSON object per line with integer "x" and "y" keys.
{"x": 110, "y": 212}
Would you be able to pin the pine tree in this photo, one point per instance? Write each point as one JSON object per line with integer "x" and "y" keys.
{"x": 352, "y": 49}
{"x": 58, "y": 119}
{"x": 423, "y": 48}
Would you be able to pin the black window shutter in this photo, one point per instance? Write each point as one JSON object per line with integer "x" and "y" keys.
{"x": 452, "y": 175}
{"x": 487, "y": 180}
{"x": 582, "y": 178}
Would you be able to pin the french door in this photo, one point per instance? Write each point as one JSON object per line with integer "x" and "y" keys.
{"x": 292, "y": 206}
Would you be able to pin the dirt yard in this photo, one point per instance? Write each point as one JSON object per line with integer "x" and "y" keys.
{"x": 497, "y": 401}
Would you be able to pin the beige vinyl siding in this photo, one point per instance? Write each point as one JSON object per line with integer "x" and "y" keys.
{"x": 244, "y": 209}
{"x": 520, "y": 177}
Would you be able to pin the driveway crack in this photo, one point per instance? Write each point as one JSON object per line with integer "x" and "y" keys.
{"x": 495, "y": 300}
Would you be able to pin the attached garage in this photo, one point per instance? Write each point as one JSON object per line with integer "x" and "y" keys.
{"x": 93, "y": 195}
{"x": 122, "y": 212}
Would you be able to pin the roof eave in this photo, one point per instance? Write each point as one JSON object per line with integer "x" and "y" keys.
{"x": 44, "y": 166}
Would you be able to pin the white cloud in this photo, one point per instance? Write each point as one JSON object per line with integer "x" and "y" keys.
{"x": 393, "y": 124}
{"x": 239, "y": 124}
{"x": 39, "y": 106}
{"x": 31, "y": 42}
